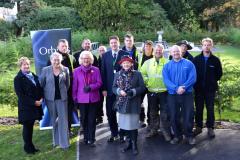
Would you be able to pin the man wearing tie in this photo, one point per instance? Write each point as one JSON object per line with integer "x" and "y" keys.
{"x": 108, "y": 68}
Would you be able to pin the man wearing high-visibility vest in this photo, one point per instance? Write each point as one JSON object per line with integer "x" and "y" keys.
{"x": 157, "y": 96}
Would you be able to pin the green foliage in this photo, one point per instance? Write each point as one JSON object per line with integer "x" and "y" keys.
{"x": 7, "y": 30}
{"x": 125, "y": 15}
{"x": 27, "y": 12}
{"x": 7, "y": 3}
{"x": 146, "y": 16}
{"x": 229, "y": 87}
{"x": 58, "y": 3}
{"x": 10, "y": 52}
{"x": 8, "y": 55}
{"x": 53, "y": 18}
{"x": 7, "y": 94}
{"x": 234, "y": 36}
{"x": 101, "y": 14}
{"x": 181, "y": 14}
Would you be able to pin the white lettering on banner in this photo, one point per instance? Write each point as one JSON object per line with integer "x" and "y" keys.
{"x": 44, "y": 50}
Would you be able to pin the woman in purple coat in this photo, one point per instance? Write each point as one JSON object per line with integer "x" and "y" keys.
{"x": 86, "y": 84}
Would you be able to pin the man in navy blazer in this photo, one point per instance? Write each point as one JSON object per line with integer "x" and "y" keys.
{"x": 108, "y": 68}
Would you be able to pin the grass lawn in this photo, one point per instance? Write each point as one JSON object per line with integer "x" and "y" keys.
{"x": 12, "y": 145}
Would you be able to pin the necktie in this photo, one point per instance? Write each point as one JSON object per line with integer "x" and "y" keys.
{"x": 114, "y": 56}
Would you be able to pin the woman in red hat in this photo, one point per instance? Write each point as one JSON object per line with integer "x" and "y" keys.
{"x": 128, "y": 86}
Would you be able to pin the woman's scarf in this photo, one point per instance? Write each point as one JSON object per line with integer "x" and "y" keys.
{"x": 87, "y": 70}
{"x": 30, "y": 76}
{"x": 124, "y": 83}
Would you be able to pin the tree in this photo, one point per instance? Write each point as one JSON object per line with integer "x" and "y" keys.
{"x": 27, "y": 11}
{"x": 181, "y": 14}
{"x": 101, "y": 14}
{"x": 131, "y": 15}
{"x": 54, "y": 17}
{"x": 58, "y": 3}
{"x": 7, "y": 3}
{"x": 224, "y": 15}
{"x": 146, "y": 15}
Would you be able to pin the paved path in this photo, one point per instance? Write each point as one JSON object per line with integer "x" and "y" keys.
{"x": 226, "y": 146}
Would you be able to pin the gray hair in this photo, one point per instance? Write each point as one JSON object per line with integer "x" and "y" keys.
{"x": 22, "y": 60}
{"x": 83, "y": 54}
{"x": 159, "y": 45}
{"x": 104, "y": 47}
{"x": 56, "y": 54}
{"x": 175, "y": 46}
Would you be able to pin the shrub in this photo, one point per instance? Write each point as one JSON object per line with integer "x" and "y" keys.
{"x": 7, "y": 30}
{"x": 7, "y": 94}
{"x": 229, "y": 87}
{"x": 54, "y": 18}
{"x": 234, "y": 36}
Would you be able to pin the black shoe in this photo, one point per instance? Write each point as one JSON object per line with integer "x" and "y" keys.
{"x": 142, "y": 124}
{"x": 36, "y": 150}
{"x": 134, "y": 148}
{"x": 29, "y": 149}
{"x": 211, "y": 133}
{"x": 99, "y": 121}
{"x": 85, "y": 141}
{"x": 197, "y": 131}
{"x": 30, "y": 152}
{"x": 112, "y": 139}
{"x": 128, "y": 147}
{"x": 122, "y": 139}
{"x": 175, "y": 140}
{"x": 91, "y": 144}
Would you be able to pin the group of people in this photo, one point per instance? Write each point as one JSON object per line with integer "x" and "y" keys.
{"x": 124, "y": 76}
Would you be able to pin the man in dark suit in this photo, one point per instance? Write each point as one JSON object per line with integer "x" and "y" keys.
{"x": 109, "y": 67}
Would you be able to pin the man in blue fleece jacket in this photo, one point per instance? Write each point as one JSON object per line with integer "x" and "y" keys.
{"x": 179, "y": 76}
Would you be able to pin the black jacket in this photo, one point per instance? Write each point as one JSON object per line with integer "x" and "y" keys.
{"x": 207, "y": 79}
{"x": 134, "y": 56}
{"x": 27, "y": 94}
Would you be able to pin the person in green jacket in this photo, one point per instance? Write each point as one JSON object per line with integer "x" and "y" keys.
{"x": 157, "y": 96}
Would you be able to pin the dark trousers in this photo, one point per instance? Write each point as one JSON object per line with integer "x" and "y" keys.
{"x": 111, "y": 115}
{"x": 70, "y": 112}
{"x": 88, "y": 120}
{"x": 181, "y": 106}
{"x": 27, "y": 134}
{"x": 208, "y": 99}
{"x": 100, "y": 107}
{"x": 131, "y": 134}
{"x": 158, "y": 102}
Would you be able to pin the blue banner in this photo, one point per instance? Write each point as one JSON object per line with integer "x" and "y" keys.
{"x": 44, "y": 43}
